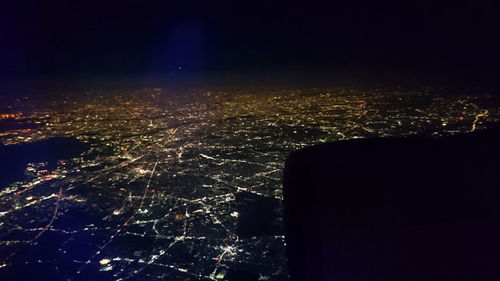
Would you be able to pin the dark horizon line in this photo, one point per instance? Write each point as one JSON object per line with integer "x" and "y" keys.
{"x": 287, "y": 77}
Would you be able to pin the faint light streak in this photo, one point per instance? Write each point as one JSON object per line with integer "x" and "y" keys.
{"x": 482, "y": 113}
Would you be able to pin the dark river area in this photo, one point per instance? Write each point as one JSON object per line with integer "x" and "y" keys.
{"x": 15, "y": 158}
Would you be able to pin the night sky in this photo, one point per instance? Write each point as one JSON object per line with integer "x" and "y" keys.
{"x": 43, "y": 38}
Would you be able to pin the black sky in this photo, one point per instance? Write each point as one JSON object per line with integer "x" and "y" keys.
{"x": 138, "y": 37}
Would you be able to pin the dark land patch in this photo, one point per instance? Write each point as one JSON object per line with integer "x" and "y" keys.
{"x": 258, "y": 215}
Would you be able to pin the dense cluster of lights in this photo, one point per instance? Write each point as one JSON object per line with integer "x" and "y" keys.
{"x": 155, "y": 195}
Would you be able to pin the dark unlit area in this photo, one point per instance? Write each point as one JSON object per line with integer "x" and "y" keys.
{"x": 395, "y": 209}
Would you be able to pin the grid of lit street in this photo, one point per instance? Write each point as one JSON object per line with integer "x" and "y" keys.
{"x": 185, "y": 184}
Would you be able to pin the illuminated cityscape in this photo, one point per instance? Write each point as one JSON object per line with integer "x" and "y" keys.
{"x": 184, "y": 185}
